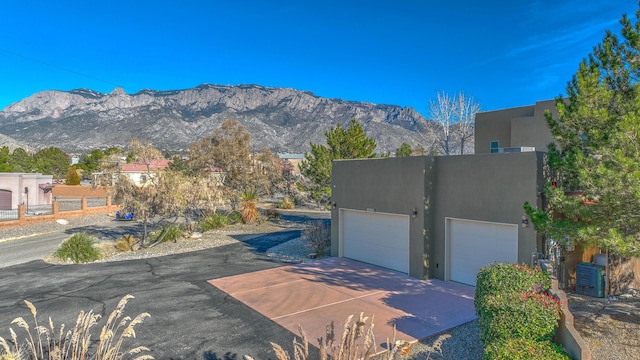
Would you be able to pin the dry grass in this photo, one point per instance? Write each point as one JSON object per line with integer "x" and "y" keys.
{"x": 126, "y": 243}
{"x": 357, "y": 342}
{"x": 49, "y": 342}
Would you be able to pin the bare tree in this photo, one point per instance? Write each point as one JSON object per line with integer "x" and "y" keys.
{"x": 455, "y": 116}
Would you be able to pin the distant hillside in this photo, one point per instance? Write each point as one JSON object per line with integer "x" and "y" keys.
{"x": 13, "y": 143}
{"x": 284, "y": 120}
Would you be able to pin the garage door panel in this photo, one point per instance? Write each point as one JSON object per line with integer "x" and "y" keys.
{"x": 5, "y": 200}
{"x": 375, "y": 238}
{"x": 474, "y": 245}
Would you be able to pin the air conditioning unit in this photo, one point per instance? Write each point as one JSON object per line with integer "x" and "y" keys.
{"x": 516, "y": 149}
{"x": 535, "y": 258}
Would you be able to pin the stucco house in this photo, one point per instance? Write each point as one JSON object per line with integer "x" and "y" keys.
{"x": 24, "y": 188}
{"x": 446, "y": 217}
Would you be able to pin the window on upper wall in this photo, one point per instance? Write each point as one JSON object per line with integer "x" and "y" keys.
{"x": 494, "y": 146}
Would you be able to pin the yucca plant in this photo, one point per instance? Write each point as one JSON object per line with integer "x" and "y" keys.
{"x": 51, "y": 343}
{"x": 249, "y": 207}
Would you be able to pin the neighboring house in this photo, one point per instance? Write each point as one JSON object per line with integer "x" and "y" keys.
{"x": 512, "y": 129}
{"x": 24, "y": 188}
{"x": 139, "y": 172}
{"x": 445, "y": 217}
{"x": 291, "y": 164}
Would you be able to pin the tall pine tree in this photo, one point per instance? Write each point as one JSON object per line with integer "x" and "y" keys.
{"x": 595, "y": 160}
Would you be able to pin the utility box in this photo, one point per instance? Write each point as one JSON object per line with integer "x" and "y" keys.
{"x": 589, "y": 280}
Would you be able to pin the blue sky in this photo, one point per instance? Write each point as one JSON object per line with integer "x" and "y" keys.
{"x": 401, "y": 52}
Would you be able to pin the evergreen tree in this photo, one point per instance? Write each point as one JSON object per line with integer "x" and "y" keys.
{"x": 597, "y": 151}
{"x": 404, "y": 150}
{"x": 72, "y": 177}
{"x": 21, "y": 161}
{"x": 349, "y": 143}
{"x": 51, "y": 161}
{"x": 5, "y": 159}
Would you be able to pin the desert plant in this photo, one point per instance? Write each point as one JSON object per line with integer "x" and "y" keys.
{"x": 126, "y": 243}
{"x": 79, "y": 248}
{"x": 248, "y": 207}
{"x": 272, "y": 214}
{"x": 524, "y": 349}
{"x": 318, "y": 235}
{"x": 49, "y": 342}
{"x": 529, "y": 315}
{"x": 286, "y": 203}
{"x": 500, "y": 278}
{"x": 167, "y": 233}
{"x": 357, "y": 342}
{"x": 234, "y": 217}
{"x": 215, "y": 221}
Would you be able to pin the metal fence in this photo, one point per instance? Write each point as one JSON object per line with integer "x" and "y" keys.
{"x": 32, "y": 210}
{"x": 95, "y": 202}
{"x": 69, "y": 204}
{"x": 6, "y": 215}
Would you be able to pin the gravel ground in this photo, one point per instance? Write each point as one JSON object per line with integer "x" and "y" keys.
{"x": 610, "y": 327}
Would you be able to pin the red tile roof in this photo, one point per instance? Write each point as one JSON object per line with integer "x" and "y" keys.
{"x": 152, "y": 166}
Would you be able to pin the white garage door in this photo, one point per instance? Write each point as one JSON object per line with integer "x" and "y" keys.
{"x": 475, "y": 244}
{"x": 376, "y": 238}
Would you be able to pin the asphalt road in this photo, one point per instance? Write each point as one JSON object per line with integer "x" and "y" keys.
{"x": 29, "y": 248}
{"x": 190, "y": 319}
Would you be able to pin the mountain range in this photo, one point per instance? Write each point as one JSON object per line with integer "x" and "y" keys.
{"x": 281, "y": 119}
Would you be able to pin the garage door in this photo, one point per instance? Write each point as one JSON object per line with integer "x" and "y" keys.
{"x": 376, "y": 238}
{"x": 5, "y": 200}
{"x": 475, "y": 244}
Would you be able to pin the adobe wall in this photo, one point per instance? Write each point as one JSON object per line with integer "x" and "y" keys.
{"x": 80, "y": 191}
{"x": 390, "y": 185}
{"x": 485, "y": 187}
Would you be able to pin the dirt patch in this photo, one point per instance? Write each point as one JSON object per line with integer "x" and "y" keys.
{"x": 610, "y": 327}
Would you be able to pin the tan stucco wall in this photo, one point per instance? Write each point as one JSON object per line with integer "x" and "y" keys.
{"x": 485, "y": 187}
{"x": 515, "y": 127}
{"x": 16, "y": 182}
{"x": 533, "y": 130}
{"x": 496, "y": 126}
{"x": 393, "y": 185}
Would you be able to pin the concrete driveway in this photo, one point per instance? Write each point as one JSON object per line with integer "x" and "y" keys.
{"x": 316, "y": 293}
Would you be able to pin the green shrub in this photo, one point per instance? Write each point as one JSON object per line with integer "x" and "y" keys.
{"x": 524, "y": 349}
{"x": 79, "y": 248}
{"x": 504, "y": 278}
{"x": 529, "y": 315}
{"x": 234, "y": 217}
{"x": 215, "y": 221}
{"x": 168, "y": 233}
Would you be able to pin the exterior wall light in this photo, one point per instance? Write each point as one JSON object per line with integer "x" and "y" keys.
{"x": 414, "y": 213}
{"x": 334, "y": 205}
{"x": 525, "y": 221}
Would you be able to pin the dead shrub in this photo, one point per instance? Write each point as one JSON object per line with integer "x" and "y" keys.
{"x": 126, "y": 243}
{"x": 318, "y": 236}
{"x": 286, "y": 203}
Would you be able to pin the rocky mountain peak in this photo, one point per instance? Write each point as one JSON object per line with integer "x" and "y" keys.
{"x": 281, "y": 119}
